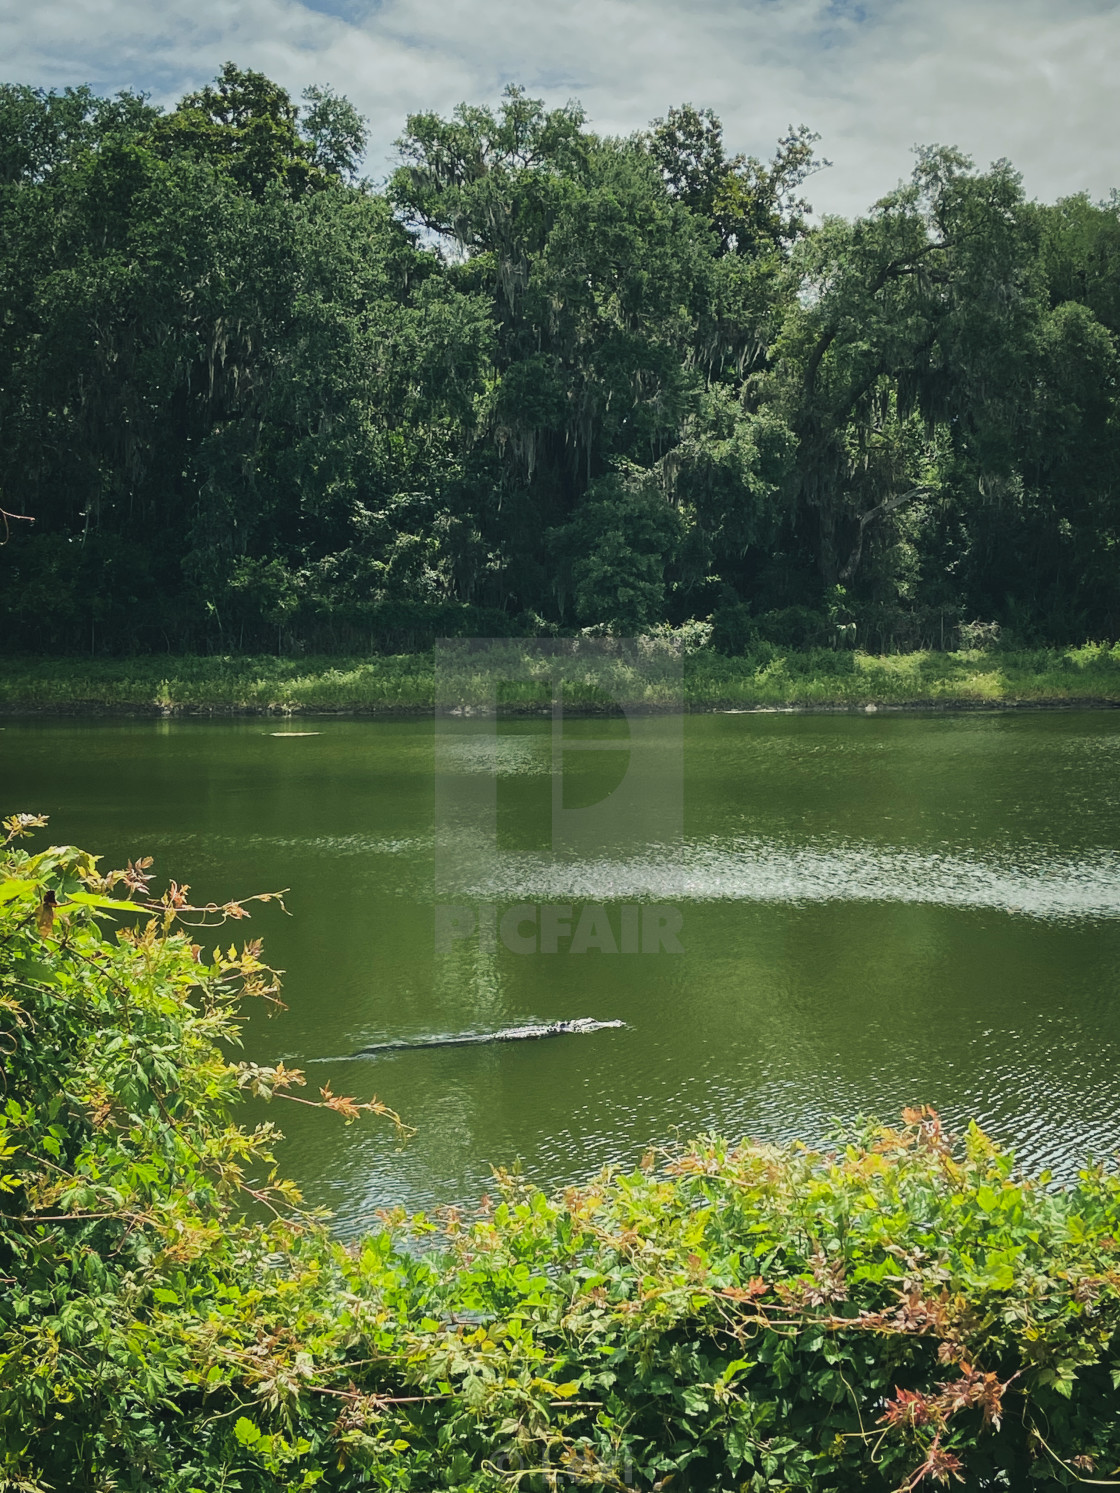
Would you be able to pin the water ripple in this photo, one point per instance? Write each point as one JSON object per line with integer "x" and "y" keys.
{"x": 758, "y": 870}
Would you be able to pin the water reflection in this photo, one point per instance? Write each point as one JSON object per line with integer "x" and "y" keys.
{"x": 750, "y": 870}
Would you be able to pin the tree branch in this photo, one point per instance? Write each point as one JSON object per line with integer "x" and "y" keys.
{"x": 890, "y": 271}
{"x": 5, "y": 517}
{"x": 888, "y": 505}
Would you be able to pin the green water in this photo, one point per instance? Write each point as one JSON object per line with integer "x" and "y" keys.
{"x": 876, "y": 911}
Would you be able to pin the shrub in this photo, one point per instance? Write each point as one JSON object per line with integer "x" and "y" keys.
{"x": 733, "y": 628}
{"x": 979, "y": 634}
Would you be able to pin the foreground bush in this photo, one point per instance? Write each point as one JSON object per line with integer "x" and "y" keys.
{"x": 894, "y": 1314}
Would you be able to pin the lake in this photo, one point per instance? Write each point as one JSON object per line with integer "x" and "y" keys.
{"x": 874, "y": 911}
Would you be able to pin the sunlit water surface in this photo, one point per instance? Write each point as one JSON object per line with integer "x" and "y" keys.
{"x": 876, "y": 911}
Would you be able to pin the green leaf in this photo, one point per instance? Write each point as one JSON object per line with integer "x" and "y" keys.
{"x": 246, "y": 1432}
{"x": 108, "y": 904}
{"x": 36, "y": 972}
{"x": 12, "y": 889}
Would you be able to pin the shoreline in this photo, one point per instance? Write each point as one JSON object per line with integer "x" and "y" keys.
{"x": 767, "y": 681}
{"x": 94, "y": 710}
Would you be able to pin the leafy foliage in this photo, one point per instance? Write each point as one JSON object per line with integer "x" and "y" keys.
{"x": 251, "y": 401}
{"x": 899, "y": 1311}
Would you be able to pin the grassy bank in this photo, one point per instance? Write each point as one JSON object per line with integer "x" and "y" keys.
{"x": 816, "y": 679}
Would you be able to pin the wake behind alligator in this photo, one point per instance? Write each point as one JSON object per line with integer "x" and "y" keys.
{"x": 531, "y": 1033}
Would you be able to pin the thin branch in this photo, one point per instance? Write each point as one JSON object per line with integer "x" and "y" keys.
{"x": 6, "y": 517}
{"x": 889, "y": 271}
{"x": 888, "y": 505}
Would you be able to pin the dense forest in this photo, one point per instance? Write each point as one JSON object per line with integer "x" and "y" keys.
{"x": 540, "y": 381}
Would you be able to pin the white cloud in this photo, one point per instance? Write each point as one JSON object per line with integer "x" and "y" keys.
{"x": 1027, "y": 79}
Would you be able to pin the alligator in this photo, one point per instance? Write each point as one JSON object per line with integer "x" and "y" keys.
{"x": 531, "y": 1033}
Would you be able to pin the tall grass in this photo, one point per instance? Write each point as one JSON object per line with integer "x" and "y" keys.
{"x": 823, "y": 679}
{"x": 767, "y": 679}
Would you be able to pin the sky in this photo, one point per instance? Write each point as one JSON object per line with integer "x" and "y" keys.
{"x": 1030, "y": 80}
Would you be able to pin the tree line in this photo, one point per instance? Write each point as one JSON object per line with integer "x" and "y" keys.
{"x": 541, "y": 380}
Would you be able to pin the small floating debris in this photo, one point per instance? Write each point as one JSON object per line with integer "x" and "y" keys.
{"x": 295, "y": 733}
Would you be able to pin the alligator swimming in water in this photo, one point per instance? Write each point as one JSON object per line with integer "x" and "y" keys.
{"x": 507, "y": 1034}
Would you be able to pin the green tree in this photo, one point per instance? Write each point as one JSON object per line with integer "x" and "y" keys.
{"x": 599, "y": 281}
{"x": 911, "y": 344}
{"x": 204, "y": 381}
{"x": 244, "y": 124}
{"x": 336, "y": 130}
{"x": 754, "y": 207}
{"x": 614, "y": 552}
